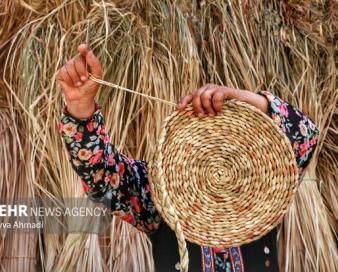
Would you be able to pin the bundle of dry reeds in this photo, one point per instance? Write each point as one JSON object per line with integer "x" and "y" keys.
{"x": 165, "y": 49}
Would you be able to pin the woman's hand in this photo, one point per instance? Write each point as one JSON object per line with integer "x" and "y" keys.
{"x": 209, "y": 99}
{"x": 79, "y": 90}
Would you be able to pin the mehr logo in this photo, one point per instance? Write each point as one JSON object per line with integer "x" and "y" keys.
{"x": 13, "y": 210}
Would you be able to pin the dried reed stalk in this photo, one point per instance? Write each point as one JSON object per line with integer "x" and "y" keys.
{"x": 17, "y": 250}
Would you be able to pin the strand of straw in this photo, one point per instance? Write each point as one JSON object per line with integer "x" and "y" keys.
{"x": 103, "y": 82}
{"x": 13, "y": 257}
{"x": 310, "y": 179}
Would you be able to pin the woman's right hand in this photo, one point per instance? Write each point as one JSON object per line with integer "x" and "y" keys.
{"x": 77, "y": 87}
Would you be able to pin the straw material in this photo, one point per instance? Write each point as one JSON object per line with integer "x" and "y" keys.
{"x": 222, "y": 181}
{"x": 164, "y": 49}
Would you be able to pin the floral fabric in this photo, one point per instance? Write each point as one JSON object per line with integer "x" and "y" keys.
{"x": 121, "y": 183}
{"x": 107, "y": 176}
{"x": 300, "y": 129}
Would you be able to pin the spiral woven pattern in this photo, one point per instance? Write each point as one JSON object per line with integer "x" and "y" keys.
{"x": 222, "y": 181}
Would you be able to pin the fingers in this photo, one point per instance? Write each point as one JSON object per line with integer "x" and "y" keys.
{"x": 74, "y": 73}
{"x": 217, "y": 100}
{"x": 63, "y": 77}
{"x": 91, "y": 60}
{"x": 83, "y": 49}
{"x": 184, "y": 102}
{"x": 71, "y": 70}
{"x": 80, "y": 66}
{"x": 206, "y": 99}
{"x": 196, "y": 101}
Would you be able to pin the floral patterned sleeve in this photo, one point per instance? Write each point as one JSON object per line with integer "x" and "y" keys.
{"x": 107, "y": 176}
{"x": 298, "y": 127}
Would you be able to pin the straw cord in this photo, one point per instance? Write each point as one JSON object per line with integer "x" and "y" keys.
{"x": 16, "y": 257}
{"x": 103, "y": 82}
{"x": 311, "y": 179}
{"x": 158, "y": 185}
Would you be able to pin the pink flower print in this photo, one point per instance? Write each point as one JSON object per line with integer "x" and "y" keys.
{"x": 70, "y": 129}
{"x": 100, "y": 130}
{"x": 106, "y": 139}
{"x": 60, "y": 126}
{"x": 108, "y": 178}
{"x": 311, "y": 125}
{"x": 136, "y": 203}
{"x": 96, "y": 158}
{"x": 111, "y": 160}
{"x": 284, "y": 110}
{"x": 78, "y": 136}
{"x": 304, "y": 147}
{"x": 303, "y": 128}
{"x": 84, "y": 154}
{"x": 98, "y": 175}
{"x": 121, "y": 169}
{"x": 90, "y": 126}
{"x": 85, "y": 186}
{"x": 115, "y": 180}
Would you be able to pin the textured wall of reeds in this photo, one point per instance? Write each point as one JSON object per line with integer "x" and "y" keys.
{"x": 166, "y": 49}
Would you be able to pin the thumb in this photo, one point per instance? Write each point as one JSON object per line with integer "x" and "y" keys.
{"x": 92, "y": 61}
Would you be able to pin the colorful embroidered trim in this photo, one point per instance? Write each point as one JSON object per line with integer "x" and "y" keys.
{"x": 236, "y": 259}
{"x": 207, "y": 259}
{"x": 232, "y": 254}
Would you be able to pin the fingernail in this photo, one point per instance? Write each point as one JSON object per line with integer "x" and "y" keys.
{"x": 78, "y": 83}
{"x": 83, "y": 78}
{"x": 211, "y": 114}
{"x": 200, "y": 114}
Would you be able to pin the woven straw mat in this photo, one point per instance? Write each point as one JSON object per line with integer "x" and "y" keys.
{"x": 223, "y": 181}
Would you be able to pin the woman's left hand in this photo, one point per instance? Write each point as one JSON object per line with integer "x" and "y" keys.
{"x": 209, "y": 99}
